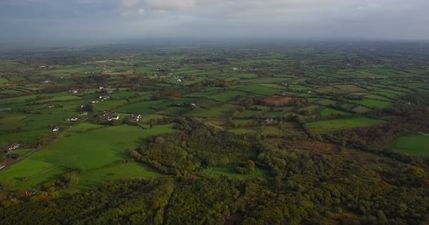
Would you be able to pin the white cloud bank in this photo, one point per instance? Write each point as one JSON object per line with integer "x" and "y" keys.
{"x": 372, "y": 19}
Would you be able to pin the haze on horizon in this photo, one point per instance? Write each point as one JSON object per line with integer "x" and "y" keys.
{"x": 43, "y": 22}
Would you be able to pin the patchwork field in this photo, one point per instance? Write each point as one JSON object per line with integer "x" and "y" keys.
{"x": 299, "y": 133}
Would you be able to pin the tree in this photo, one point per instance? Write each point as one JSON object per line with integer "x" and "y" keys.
{"x": 86, "y": 107}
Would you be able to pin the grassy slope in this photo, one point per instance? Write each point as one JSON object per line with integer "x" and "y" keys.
{"x": 85, "y": 147}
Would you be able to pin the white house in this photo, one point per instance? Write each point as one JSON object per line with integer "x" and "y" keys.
{"x": 73, "y": 119}
{"x": 14, "y": 147}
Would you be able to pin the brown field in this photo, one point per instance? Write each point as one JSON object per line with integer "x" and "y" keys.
{"x": 278, "y": 100}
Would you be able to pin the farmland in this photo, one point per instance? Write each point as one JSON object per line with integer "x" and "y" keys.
{"x": 250, "y": 134}
{"x": 84, "y": 148}
{"x": 326, "y": 126}
{"x": 413, "y": 144}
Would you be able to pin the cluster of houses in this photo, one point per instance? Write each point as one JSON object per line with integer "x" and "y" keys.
{"x": 111, "y": 116}
{"x": 192, "y": 105}
{"x": 245, "y": 69}
{"x": 10, "y": 152}
{"x": 135, "y": 118}
{"x": 13, "y": 147}
{"x": 108, "y": 117}
{"x": 104, "y": 97}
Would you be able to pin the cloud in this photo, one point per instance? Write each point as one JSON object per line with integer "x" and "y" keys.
{"x": 129, "y": 3}
{"x": 142, "y": 7}
{"x": 214, "y": 18}
{"x": 170, "y": 4}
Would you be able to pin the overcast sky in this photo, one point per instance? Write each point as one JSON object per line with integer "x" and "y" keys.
{"x": 105, "y": 20}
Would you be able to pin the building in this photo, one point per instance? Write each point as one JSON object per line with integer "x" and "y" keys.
{"x": 135, "y": 118}
{"x": 109, "y": 117}
{"x": 73, "y": 119}
{"x": 13, "y": 147}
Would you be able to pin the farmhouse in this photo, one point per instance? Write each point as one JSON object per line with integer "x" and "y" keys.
{"x": 74, "y": 91}
{"x": 113, "y": 118}
{"x": 269, "y": 121}
{"x": 135, "y": 118}
{"x": 104, "y": 97}
{"x": 13, "y": 147}
{"x": 108, "y": 117}
{"x": 73, "y": 119}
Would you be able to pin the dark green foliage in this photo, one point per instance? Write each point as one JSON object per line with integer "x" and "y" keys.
{"x": 86, "y": 107}
{"x": 247, "y": 167}
{"x": 187, "y": 152}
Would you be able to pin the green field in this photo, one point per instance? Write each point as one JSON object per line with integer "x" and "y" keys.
{"x": 228, "y": 171}
{"x": 372, "y": 103}
{"x": 327, "y": 126}
{"x": 327, "y": 112}
{"x": 261, "y": 89}
{"x": 225, "y": 96}
{"x": 416, "y": 145}
{"x": 84, "y": 148}
{"x": 114, "y": 172}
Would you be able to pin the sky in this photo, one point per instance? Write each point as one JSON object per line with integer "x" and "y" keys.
{"x": 86, "y": 21}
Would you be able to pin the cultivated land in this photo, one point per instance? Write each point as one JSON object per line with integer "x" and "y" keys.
{"x": 293, "y": 134}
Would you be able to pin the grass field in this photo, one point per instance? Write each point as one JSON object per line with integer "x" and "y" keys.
{"x": 144, "y": 107}
{"x": 218, "y": 111}
{"x": 372, "y": 103}
{"x": 228, "y": 171}
{"x": 327, "y": 126}
{"x": 327, "y": 112}
{"x": 11, "y": 122}
{"x": 22, "y": 137}
{"x": 86, "y": 147}
{"x": 261, "y": 89}
{"x": 117, "y": 171}
{"x": 417, "y": 145}
{"x": 225, "y": 96}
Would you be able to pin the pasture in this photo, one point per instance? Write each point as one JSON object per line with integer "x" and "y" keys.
{"x": 415, "y": 145}
{"x": 83, "y": 148}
